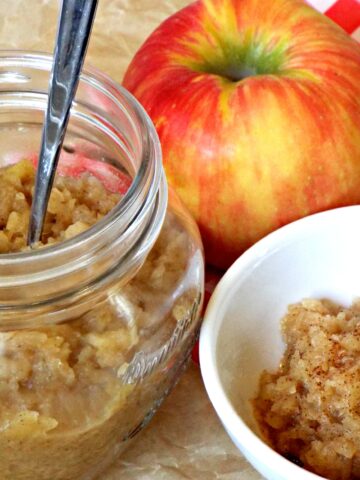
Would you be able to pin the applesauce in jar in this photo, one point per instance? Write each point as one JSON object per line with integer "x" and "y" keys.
{"x": 96, "y": 322}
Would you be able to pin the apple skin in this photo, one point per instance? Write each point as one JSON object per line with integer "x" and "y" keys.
{"x": 257, "y": 106}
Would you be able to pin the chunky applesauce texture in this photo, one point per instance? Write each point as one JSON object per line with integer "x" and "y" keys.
{"x": 75, "y": 205}
{"x": 309, "y": 410}
{"x": 63, "y": 408}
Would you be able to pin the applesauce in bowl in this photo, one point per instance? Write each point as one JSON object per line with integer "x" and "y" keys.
{"x": 241, "y": 337}
{"x": 309, "y": 408}
{"x": 97, "y": 322}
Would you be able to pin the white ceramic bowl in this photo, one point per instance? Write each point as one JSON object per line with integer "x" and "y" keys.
{"x": 315, "y": 257}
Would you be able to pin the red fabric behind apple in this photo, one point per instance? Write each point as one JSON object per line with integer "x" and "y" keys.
{"x": 345, "y": 13}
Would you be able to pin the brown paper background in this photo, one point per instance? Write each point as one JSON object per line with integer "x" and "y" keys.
{"x": 185, "y": 439}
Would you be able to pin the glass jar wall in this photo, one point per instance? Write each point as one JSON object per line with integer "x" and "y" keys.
{"x": 95, "y": 330}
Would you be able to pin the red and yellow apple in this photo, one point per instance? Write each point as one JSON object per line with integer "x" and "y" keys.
{"x": 257, "y": 106}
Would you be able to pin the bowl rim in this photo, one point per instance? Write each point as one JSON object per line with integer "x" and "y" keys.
{"x": 212, "y": 322}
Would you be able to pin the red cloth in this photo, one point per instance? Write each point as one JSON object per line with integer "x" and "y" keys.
{"x": 345, "y": 13}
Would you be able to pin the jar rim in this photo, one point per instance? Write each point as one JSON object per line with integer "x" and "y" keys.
{"x": 99, "y": 80}
{"x": 116, "y": 245}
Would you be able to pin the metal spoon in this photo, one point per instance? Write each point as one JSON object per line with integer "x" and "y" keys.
{"x": 74, "y": 29}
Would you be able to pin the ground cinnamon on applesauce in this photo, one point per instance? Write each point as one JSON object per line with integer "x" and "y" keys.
{"x": 309, "y": 409}
{"x": 63, "y": 407}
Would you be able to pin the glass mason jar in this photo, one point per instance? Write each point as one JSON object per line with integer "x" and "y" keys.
{"x": 94, "y": 331}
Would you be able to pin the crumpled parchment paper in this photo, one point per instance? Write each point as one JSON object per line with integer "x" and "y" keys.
{"x": 120, "y": 28}
{"x": 185, "y": 440}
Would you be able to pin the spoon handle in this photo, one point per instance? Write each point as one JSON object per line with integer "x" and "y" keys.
{"x": 74, "y": 29}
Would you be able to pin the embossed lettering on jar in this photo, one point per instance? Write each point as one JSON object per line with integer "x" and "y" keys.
{"x": 96, "y": 329}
